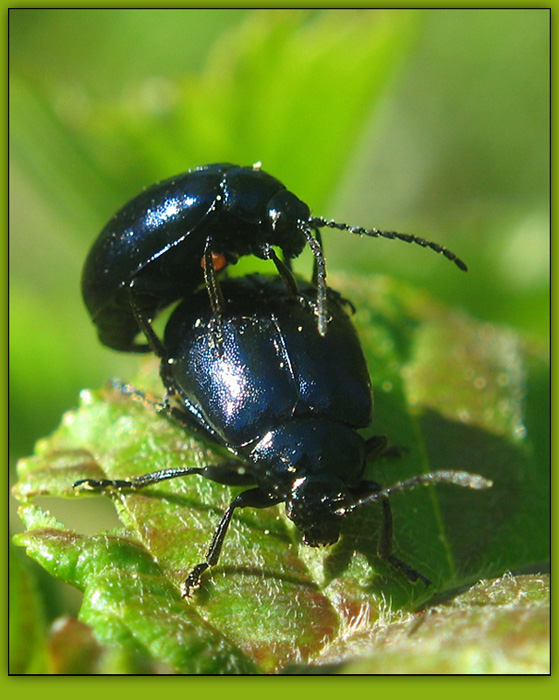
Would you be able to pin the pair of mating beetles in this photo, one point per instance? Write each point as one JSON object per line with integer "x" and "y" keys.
{"x": 270, "y": 368}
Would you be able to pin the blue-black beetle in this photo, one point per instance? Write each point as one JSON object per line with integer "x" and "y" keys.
{"x": 177, "y": 234}
{"x": 286, "y": 402}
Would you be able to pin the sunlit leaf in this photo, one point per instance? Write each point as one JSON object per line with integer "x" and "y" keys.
{"x": 454, "y": 393}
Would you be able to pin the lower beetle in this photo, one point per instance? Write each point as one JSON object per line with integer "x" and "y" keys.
{"x": 179, "y": 233}
{"x": 287, "y": 403}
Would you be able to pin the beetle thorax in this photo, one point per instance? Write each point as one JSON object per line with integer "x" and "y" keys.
{"x": 309, "y": 448}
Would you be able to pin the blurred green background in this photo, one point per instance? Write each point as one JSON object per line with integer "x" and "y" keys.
{"x": 430, "y": 122}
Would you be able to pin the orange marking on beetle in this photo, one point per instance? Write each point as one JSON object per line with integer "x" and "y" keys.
{"x": 219, "y": 261}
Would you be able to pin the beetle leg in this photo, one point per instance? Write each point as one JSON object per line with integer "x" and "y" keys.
{"x": 315, "y": 270}
{"x": 160, "y": 405}
{"x": 284, "y": 271}
{"x": 366, "y": 489}
{"x": 319, "y": 277}
{"x": 217, "y": 301}
{"x": 229, "y": 473}
{"x": 385, "y": 546}
{"x": 138, "y": 482}
{"x": 377, "y": 447}
{"x": 254, "y": 498}
{"x": 458, "y": 478}
{"x": 144, "y": 324}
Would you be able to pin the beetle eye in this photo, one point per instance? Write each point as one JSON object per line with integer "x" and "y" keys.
{"x": 285, "y": 211}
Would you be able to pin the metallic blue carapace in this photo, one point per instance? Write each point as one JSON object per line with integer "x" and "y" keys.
{"x": 178, "y": 234}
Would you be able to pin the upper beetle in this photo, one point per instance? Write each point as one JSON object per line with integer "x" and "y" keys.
{"x": 175, "y": 235}
{"x": 286, "y": 402}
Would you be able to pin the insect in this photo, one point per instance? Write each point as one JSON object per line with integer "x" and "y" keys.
{"x": 180, "y": 233}
{"x": 287, "y": 403}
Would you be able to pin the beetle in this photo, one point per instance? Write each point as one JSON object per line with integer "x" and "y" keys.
{"x": 287, "y": 403}
{"x": 180, "y": 233}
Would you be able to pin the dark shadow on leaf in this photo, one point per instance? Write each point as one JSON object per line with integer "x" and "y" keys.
{"x": 483, "y": 532}
{"x": 506, "y": 524}
{"x": 204, "y": 592}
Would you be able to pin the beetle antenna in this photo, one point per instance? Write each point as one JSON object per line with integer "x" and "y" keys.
{"x": 458, "y": 478}
{"x": 319, "y": 278}
{"x": 319, "y": 222}
{"x": 217, "y": 301}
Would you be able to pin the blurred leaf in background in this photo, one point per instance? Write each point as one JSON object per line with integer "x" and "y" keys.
{"x": 430, "y": 122}
{"x": 453, "y": 146}
{"x": 81, "y": 147}
{"x": 461, "y": 154}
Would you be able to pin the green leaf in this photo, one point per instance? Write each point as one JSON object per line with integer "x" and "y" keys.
{"x": 477, "y": 399}
{"x": 456, "y": 394}
{"x": 28, "y": 629}
{"x": 497, "y": 627}
{"x": 127, "y": 599}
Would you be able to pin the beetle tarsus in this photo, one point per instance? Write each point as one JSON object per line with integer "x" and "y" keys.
{"x": 193, "y": 580}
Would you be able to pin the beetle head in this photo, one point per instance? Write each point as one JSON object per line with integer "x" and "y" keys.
{"x": 315, "y": 504}
{"x": 286, "y": 214}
